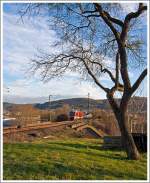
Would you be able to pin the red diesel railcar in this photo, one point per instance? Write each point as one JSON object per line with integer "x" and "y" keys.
{"x": 76, "y": 115}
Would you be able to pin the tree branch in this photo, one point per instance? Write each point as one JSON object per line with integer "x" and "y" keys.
{"x": 64, "y": 56}
{"x": 104, "y": 16}
{"x": 104, "y": 70}
{"x": 138, "y": 81}
{"x": 117, "y": 69}
{"x": 136, "y": 14}
{"x": 112, "y": 102}
{"x": 94, "y": 78}
{"x": 128, "y": 18}
{"x": 92, "y": 14}
{"x": 118, "y": 86}
{"x": 114, "y": 20}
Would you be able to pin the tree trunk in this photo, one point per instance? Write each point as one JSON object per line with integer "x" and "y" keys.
{"x": 126, "y": 136}
{"x": 121, "y": 117}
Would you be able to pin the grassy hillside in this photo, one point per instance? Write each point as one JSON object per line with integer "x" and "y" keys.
{"x": 73, "y": 159}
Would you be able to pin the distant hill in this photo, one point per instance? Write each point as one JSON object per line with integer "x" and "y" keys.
{"x": 8, "y": 106}
{"x": 80, "y": 103}
{"x": 136, "y": 104}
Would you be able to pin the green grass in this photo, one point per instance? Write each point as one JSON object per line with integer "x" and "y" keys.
{"x": 73, "y": 159}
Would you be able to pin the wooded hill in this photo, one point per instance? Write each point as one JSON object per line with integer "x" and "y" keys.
{"x": 137, "y": 104}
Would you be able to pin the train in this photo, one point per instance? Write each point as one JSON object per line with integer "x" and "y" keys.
{"x": 74, "y": 115}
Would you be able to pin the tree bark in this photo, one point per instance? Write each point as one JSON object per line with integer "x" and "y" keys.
{"x": 126, "y": 136}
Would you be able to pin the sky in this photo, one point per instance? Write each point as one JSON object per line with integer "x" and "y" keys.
{"x": 20, "y": 43}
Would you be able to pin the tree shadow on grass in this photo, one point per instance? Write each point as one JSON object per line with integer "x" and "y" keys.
{"x": 80, "y": 146}
{"x": 63, "y": 171}
{"x": 83, "y": 148}
{"x": 59, "y": 170}
{"x": 78, "y": 173}
{"x": 97, "y": 173}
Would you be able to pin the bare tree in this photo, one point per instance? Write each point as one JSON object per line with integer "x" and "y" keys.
{"x": 89, "y": 34}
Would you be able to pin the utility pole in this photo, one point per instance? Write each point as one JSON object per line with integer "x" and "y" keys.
{"x": 88, "y": 103}
{"x": 50, "y": 107}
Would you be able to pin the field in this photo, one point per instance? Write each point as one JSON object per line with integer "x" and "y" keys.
{"x": 73, "y": 159}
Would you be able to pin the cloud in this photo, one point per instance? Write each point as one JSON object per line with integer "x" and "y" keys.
{"x": 21, "y": 41}
{"x": 59, "y": 88}
{"x": 20, "y": 44}
{"x": 129, "y": 7}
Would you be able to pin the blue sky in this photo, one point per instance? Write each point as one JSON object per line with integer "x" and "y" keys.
{"x": 20, "y": 44}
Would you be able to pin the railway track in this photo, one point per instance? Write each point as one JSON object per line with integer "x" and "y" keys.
{"x": 15, "y": 129}
{"x": 78, "y": 125}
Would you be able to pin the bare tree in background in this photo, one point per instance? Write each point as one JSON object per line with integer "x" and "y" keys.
{"x": 88, "y": 35}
